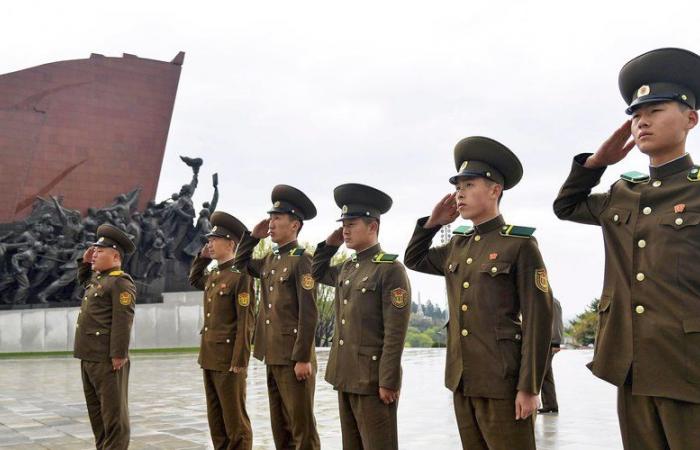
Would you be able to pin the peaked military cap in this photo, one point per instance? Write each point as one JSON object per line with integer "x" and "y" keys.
{"x": 111, "y": 236}
{"x": 224, "y": 225}
{"x": 479, "y": 156}
{"x": 290, "y": 200}
{"x": 359, "y": 200}
{"x": 661, "y": 75}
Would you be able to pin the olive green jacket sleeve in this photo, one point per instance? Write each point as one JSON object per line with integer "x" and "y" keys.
{"x": 308, "y": 312}
{"x": 245, "y": 316}
{"x": 535, "y": 297}
{"x": 84, "y": 272}
{"x": 575, "y": 201}
{"x": 244, "y": 255}
{"x": 123, "y": 295}
{"x": 420, "y": 256}
{"x": 321, "y": 268}
{"x": 396, "y": 312}
{"x": 198, "y": 278}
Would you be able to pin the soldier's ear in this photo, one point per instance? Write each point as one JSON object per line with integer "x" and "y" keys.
{"x": 692, "y": 119}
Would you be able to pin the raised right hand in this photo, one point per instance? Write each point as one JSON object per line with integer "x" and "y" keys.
{"x": 444, "y": 212}
{"x": 261, "y": 230}
{"x": 87, "y": 256}
{"x": 614, "y": 149}
{"x": 335, "y": 239}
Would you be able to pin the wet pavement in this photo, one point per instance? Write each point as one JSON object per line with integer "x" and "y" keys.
{"x": 42, "y": 405}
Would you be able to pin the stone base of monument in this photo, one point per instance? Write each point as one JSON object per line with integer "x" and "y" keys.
{"x": 175, "y": 323}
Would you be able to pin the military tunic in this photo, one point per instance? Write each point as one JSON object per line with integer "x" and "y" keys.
{"x": 500, "y": 323}
{"x": 285, "y": 333}
{"x": 102, "y": 332}
{"x": 648, "y": 336}
{"x": 229, "y": 299}
{"x": 372, "y": 309}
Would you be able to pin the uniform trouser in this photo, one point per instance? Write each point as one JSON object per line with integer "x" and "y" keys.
{"x": 106, "y": 396}
{"x": 549, "y": 392}
{"x": 367, "y": 423}
{"x": 229, "y": 423}
{"x": 653, "y": 423}
{"x": 292, "y": 409}
{"x": 489, "y": 424}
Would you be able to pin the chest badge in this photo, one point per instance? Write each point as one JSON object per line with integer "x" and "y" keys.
{"x": 493, "y": 256}
{"x": 679, "y": 208}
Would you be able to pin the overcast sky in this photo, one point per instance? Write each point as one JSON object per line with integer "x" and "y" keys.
{"x": 316, "y": 94}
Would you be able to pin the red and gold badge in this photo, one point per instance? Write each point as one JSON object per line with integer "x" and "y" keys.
{"x": 307, "y": 281}
{"x": 399, "y": 297}
{"x": 541, "y": 280}
{"x": 244, "y": 299}
{"x": 125, "y": 298}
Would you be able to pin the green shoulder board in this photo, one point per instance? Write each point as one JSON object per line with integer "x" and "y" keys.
{"x": 464, "y": 230}
{"x": 384, "y": 258}
{"x": 516, "y": 231}
{"x": 297, "y": 251}
{"x": 694, "y": 174}
{"x": 635, "y": 177}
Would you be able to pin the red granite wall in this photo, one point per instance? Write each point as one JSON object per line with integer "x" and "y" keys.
{"x": 86, "y": 129}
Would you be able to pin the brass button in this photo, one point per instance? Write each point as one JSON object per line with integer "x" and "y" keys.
{"x": 465, "y": 307}
{"x": 206, "y": 328}
{"x": 639, "y": 309}
{"x": 449, "y": 267}
{"x": 646, "y": 211}
{"x": 616, "y": 218}
{"x": 640, "y": 276}
{"x": 340, "y": 342}
{"x": 642, "y": 243}
{"x": 345, "y": 301}
{"x": 347, "y": 281}
{"x": 281, "y": 278}
{"x": 209, "y": 300}
{"x": 221, "y": 293}
{"x": 465, "y": 285}
{"x": 279, "y": 256}
{"x": 470, "y": 260}
{"x": 85, "y": 298}
{"x": 208, "y": 314}
{"x": 267, "y": 322}
{"x": 295, "y": 331}
{"x": 494, "y": 269}
{"x": 97, "y": 333}
{"x": 465, "y": 332}
{"x": 679, "y": 221}
{"x": 271, "y": 288}
{"x": 284, "y": 270}
{"x": 228, "y": 341}
{"x": 357, "y": 265}
{"x": 272, "y": 271}
{"x": 269, "y": 306}
{"x": 364, "y": 290}
{"x": 477, "y": 238}
{"x": 374, "y": 357}
{"x": 213, "y": 284}
{"x": 342, "y": 321}
{"x": 656, "y": 183}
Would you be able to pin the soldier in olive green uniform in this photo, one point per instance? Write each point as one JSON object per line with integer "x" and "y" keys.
{"x": 499, "y": 299}
{"x": 648, "y": 337}
{"x": 226, "y": 334}
{"x": 287, "y": 316}
{"x": 102, "y": 336}
{"x": 372, "y": 309}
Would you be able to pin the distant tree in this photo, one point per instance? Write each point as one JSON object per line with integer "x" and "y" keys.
{"x": 582, "y": 329}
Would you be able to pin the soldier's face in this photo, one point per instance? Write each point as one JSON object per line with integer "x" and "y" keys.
{"x": 104, "y": 258}
{"x": 357, "y": 234}
{"x": 283, "y": 228}
{"x": 476, "y": 197}
{"x": 659, "y": 128}
{"x": 220, "y": 248}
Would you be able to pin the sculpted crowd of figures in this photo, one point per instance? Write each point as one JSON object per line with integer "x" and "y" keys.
{"x": 501, "y": 307}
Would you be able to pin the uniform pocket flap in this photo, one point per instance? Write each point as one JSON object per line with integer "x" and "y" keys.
{"x": 680, "y": 220}
{"x": 495, "y": 268}
{"x": 289, "y": 331}
{"x": 691, "y": 325}
{"x": 618, "y": 215}
{"x": 604, "y": 303}
{"x": 221, "y": 337}
{"x": 452, "y": 267}
{"x": 367, "y": 286}
{"x": 509, "y": 333}
{"x": 368, "y": 350}
{"x": 97, "y": 331}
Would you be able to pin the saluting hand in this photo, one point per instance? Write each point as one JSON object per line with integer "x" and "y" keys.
{"x": 261, "y": 230}
{"x": 303, "y": 370}
{"x": 87, "y": 256}
{"x": 205, "y": 253}
{"x": 388, "y": 396}
{"x": 525, "y": 404}
{"x": 444, "y": 212}
{"x": 335, "y": 239}
{"x": 614, "y": 149}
